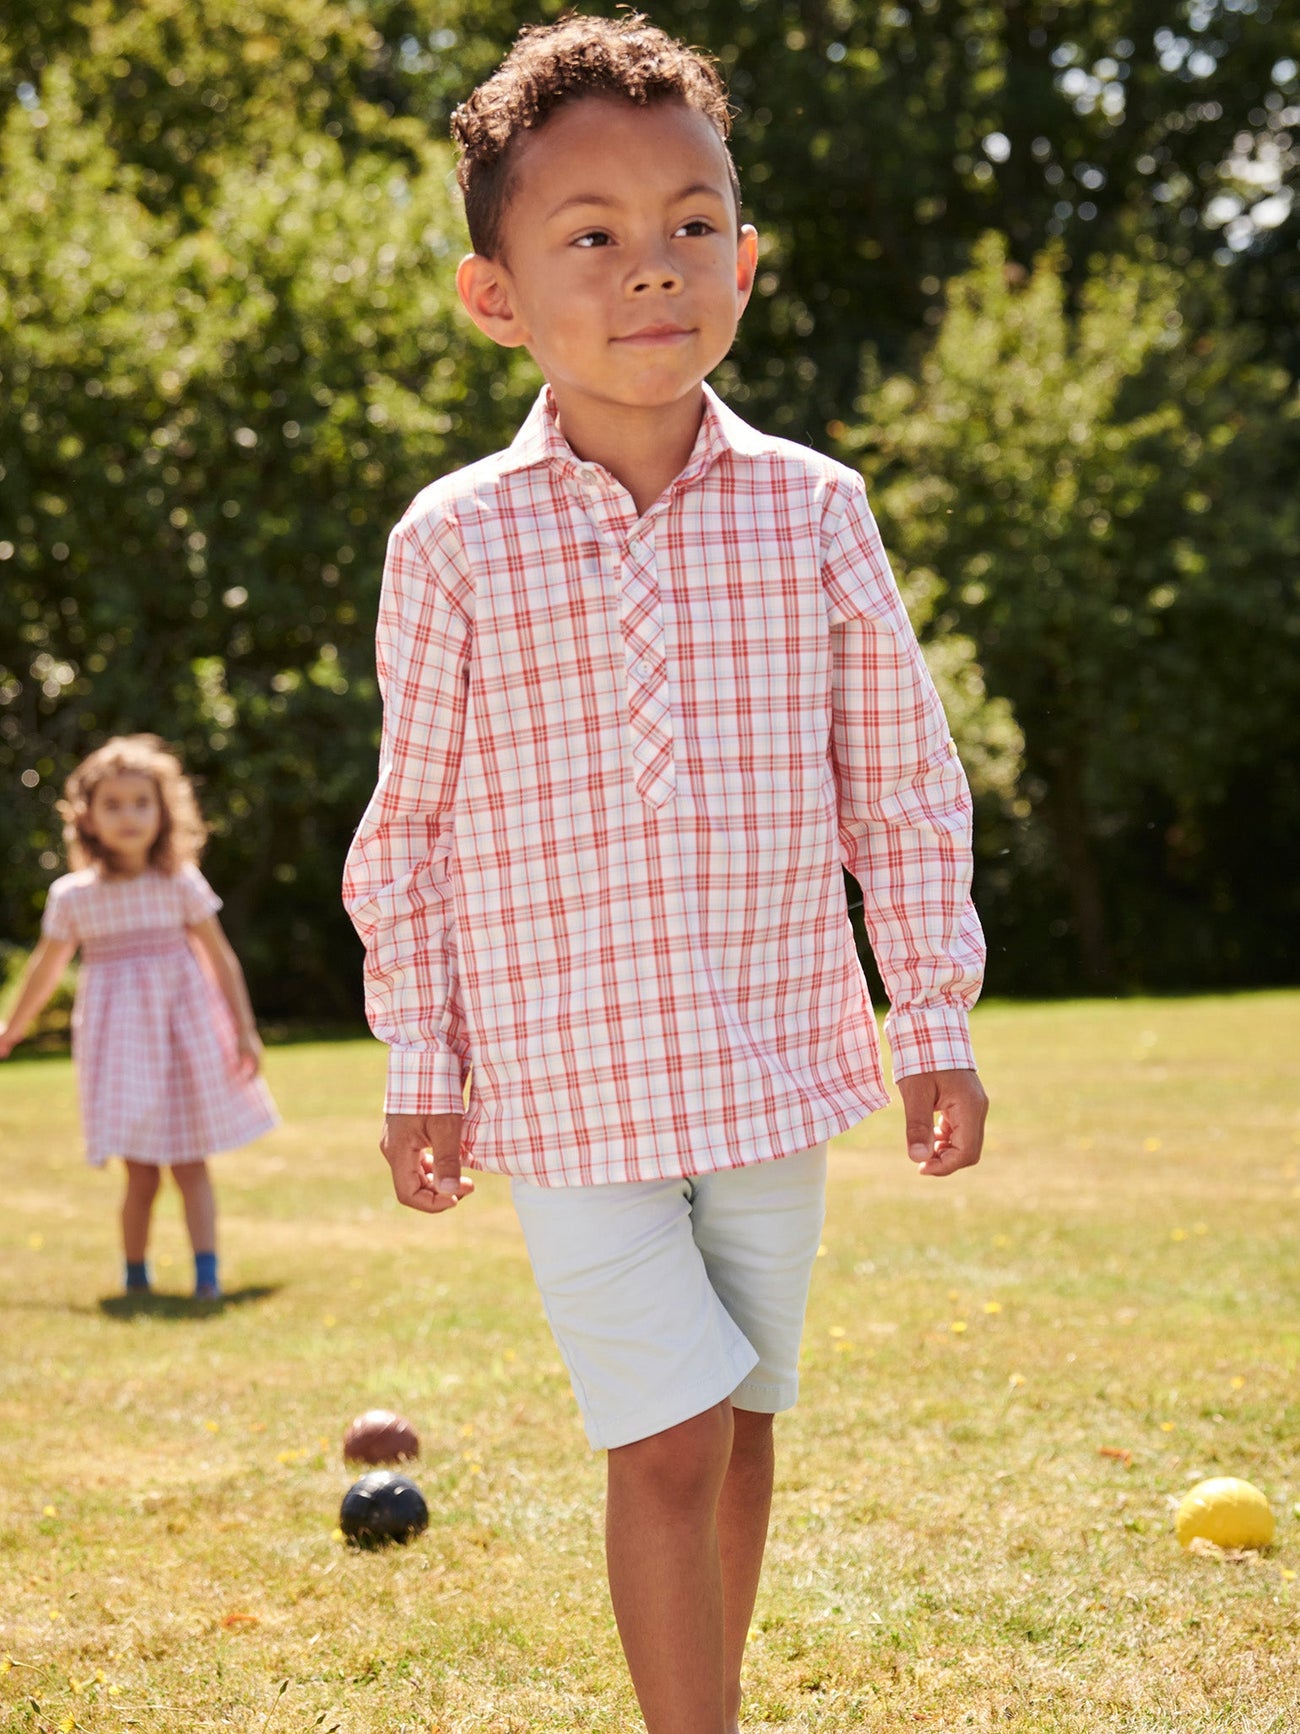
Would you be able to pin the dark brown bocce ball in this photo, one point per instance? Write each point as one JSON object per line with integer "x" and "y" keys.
{"x": 382, "y": 1507}
{"x": 379, "y": 1436}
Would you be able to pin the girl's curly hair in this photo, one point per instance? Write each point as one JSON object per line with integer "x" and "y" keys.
{"x": 181, "y": 834}
{"x": 551, "y": 64}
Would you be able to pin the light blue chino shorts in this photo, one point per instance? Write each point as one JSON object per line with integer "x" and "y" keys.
{"x": 665, "y": 1296}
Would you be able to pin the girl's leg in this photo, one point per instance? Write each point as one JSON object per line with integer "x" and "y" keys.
{"x": 743, "y": 1511}
{"x": 142, "y": 1180}
{"x": 665, "y": 1570}
{"x": 200, "y": 1206}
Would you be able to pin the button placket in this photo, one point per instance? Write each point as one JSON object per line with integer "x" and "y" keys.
{"x": 641, "y": 619}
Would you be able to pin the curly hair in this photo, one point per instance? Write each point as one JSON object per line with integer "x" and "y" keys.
{"x": 181, "y": 834}
{"x": 551, "y": 64}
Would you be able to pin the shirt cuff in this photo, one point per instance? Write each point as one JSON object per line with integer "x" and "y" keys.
{"x": 932, "y": 1039}
{"x": 424, "y": 1081}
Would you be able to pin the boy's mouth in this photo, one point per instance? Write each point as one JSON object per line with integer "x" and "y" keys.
{"x": 662, "y": 331}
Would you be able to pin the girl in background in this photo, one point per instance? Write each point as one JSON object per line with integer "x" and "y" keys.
{"x": 163, "y": 1035}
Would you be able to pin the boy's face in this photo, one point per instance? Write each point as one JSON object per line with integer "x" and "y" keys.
{"x": 621, "y": 268}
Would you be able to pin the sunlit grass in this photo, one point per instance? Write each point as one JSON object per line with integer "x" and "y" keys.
{"x": 1008, "y": 1379}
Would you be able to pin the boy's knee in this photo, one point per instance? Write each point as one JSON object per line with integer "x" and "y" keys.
{"x": 682, "y": 1463}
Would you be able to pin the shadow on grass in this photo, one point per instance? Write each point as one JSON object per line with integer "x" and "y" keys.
{"x": 181, "y": 1306}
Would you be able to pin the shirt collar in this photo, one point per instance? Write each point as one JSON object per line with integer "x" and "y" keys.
{"x": 539, "y": 440}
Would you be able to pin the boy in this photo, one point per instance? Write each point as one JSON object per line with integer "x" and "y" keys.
{"x": 648, "y": 685}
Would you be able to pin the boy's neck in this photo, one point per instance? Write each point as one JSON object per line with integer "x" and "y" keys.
{"x": 645, "y": 449}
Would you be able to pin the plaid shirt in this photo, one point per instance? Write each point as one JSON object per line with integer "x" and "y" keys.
{"x": 623, "y": 762}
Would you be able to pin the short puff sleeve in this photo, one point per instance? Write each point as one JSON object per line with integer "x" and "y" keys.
{"x": 58, "y": 922}
{"x": 198, "y": 899}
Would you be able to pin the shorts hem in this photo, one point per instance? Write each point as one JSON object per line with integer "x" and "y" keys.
{"x": 765, "y": 1399}
{"x": 683, "y": 1405}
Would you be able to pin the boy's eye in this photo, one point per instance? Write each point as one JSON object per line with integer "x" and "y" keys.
{"x": 697, "y": 226}
{"x": 593, "y": 238}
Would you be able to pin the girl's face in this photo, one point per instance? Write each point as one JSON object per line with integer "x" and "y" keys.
{"x": 125, "y": 816}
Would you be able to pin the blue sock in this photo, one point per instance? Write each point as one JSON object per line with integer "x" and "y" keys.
{"x": 205, "y": 1270}
{"x": 137, "y": 1277}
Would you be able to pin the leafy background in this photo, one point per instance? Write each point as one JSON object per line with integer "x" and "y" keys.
{"x": 1032, "y": 267}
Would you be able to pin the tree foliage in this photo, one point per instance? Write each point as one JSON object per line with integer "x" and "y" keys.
{"x": 229, "y": 355}
{"x": 220, "y": 391}
{"x": 876, "y": 143}
{"x": 1100, "y": 500}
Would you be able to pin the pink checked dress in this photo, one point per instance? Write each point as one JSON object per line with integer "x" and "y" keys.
{"x": 152, "y": 1035}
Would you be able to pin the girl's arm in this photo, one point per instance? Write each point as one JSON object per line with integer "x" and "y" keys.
{"x": 44, "y": 967}
{"x": 230, "y": 979}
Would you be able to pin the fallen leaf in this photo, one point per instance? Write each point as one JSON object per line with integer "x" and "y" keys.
{"x": 1118, "y": 1452}
{"x": 232, "y": 1621}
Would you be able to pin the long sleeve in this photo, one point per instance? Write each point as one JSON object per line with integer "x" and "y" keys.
{"x": 904, "y": 803}
{"x": 397, "y": 882}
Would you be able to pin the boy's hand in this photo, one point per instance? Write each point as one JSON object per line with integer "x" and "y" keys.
{"x": 945, "y": 1119}
{"x": 423, "y": 1151}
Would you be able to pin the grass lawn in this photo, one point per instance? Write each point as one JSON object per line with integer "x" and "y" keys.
{"x": 1009, "y": 1378}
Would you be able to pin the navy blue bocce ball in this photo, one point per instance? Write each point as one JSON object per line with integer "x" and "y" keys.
{"x": 382, "y": 1507}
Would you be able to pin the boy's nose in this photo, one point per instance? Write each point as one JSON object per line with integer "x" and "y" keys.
{"x": 657, "y": 274}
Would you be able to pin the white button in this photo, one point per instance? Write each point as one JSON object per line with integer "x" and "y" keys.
{"x": 645, "y": 666}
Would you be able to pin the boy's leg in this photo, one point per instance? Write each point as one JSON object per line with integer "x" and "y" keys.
{"x": 744, "y": 1507}
{"x": 758, "y": 1230}
{"x": 665, "y": 1570}
{"x": 684, "y": 1543}
{"x": 634, "y": 1278}
{"x": 137, "y": 1209}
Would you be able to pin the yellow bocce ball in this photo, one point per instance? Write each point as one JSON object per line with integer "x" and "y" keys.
{"x": 1226, "y": 1511}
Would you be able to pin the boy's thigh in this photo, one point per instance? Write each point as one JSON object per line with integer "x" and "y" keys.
{"x": 652, "y": 1290}
{"x": 758, "y": 1229}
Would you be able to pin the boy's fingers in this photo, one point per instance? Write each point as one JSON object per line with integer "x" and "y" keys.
{"x": 959, "y": 1101}
{"x": 920, "y": 1098}
{"x": 957, "y": 1153}
{"x": 447, "y": 1178}
{"x": 920, "y": 1141}
{"x": 423, "y": 1152}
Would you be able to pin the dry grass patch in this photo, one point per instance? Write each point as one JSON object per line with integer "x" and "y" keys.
{"x": 951, "y": 1548}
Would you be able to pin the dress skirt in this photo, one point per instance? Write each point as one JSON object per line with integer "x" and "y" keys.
{"x": 156, "y": 1051}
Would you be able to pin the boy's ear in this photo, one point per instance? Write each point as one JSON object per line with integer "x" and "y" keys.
{"x": 487, "y": 296}
{"x": 746, "y": 263}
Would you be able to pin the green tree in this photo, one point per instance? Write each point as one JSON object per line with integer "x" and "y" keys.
{"x": 877, "y": 143}
{"x": 229, "y": 354}
{"x": 1101, "y": 499}
{"x": 216, "y": 403}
